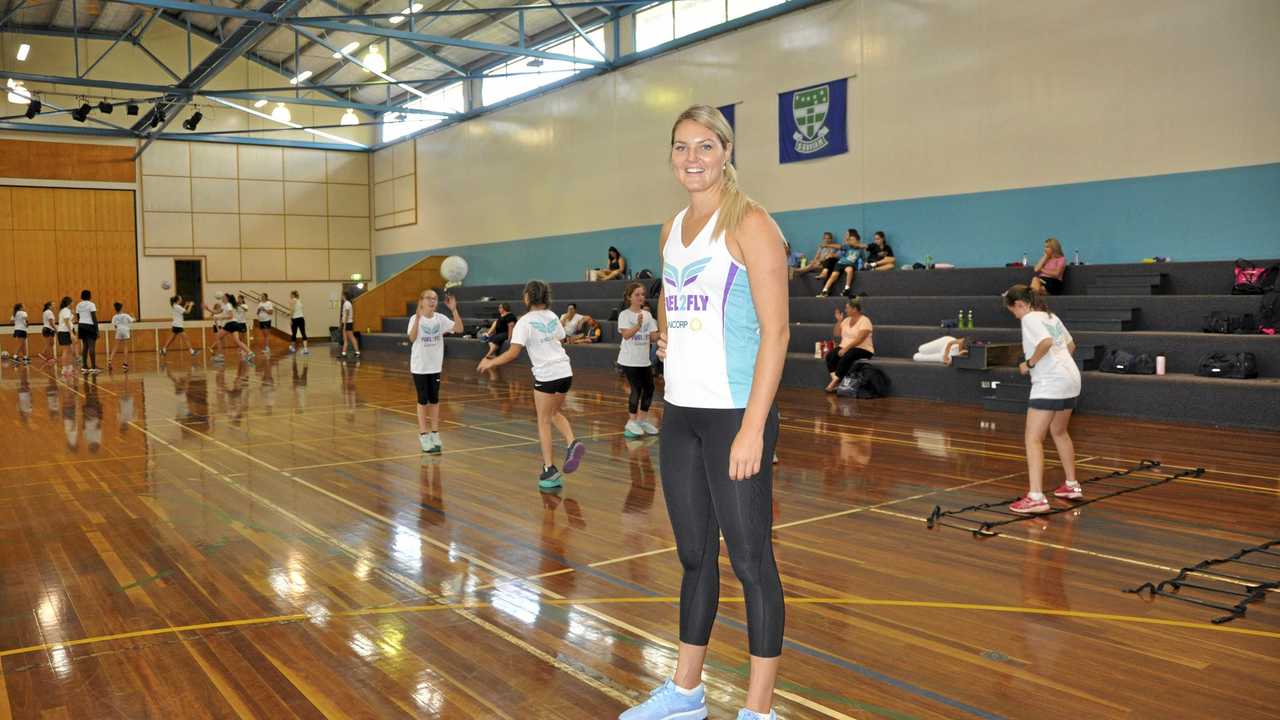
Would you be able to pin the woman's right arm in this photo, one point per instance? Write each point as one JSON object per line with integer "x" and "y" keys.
{"x": 1043, "y": 259}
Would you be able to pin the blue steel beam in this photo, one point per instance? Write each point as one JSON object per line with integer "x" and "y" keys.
{"x": 421, "y": 50}
{"x": 128, "y": 33}
{"x": 404, "y": 35}
{"x": 58, "y": 33}
{"x": 236, "y": 12}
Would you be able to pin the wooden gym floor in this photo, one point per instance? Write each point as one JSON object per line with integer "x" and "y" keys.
{"x": 203, "y": 542}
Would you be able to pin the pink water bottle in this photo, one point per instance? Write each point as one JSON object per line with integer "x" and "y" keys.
{"x": 1160, "y": 361}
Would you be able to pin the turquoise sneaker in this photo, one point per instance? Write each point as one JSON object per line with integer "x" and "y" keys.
{"x": 745, "y": 714}
{"x": 669, "y": 703}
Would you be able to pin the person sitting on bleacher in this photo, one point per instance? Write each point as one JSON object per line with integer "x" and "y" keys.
{"x": 879, "y": 254}
{"x": 589, "y": 332}
{"x": 617, "y": 267}
{"x": 854, "y": 330}
{"x": 500, "y": 330}
{"x": 571, "y": 321}
{"x": 853, "y": 255}
{"x": 824, "y": 258}
{"x": 942, "y": 350}
{"x": 1050, "y": 269}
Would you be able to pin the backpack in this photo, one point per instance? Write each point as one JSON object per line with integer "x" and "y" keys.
{"x": 1123, "y": 362}
{"x": 1251, "y": 279}
{"x": 1268, "y": 322}
{"x": 1227, "y": 323}
{"x": 1240, "y": 366}
{"x": 645, "y": 274}
{"x": 864, "y": 381}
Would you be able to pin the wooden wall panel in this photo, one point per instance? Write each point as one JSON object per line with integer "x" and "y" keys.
{"x": 66, "y": 161}
{"x": 36, "y": 269}
{"x": 115, "y": 210}
{"x": 34, "y": 208}
{"x": 6, "y": 208}
{"x": 75, "y": 209}
{"x": 8, "y": 291}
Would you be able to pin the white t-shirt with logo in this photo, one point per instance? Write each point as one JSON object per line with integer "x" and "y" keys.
{"x": 635, "y": 350}
{"x": 540, "y": 332}
{"x": 85, "y": 310}
{"x": 64, "y": 320}
{"x": 179, "y": 313}
{"x": 427, "y": 355}
{"x": 122, "y": 322}
{"x": 1056, "y": 376}
{"x": 47, "y": 319}
{"x": 265, "y": 312}
{"x": 573, "y": 325}
{"x": 20, "y": 320}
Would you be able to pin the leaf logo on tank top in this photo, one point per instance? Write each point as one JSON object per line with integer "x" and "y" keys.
{"x": 678, "y": 279}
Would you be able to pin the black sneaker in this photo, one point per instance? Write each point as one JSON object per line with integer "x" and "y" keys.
{"x": 550, "y": 479}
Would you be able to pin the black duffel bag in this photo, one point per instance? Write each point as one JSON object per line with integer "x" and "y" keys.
{"x": 1228, "y": 323}
{"x": 1238, "y": 366}
{"x": 1124, "y": 362}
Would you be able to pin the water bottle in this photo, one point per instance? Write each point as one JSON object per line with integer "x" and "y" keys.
{"x": 1160, "y": 364}
{"x": 1076, "y": 258}
{"x": 928, "y": 261}
{"x": 960, "y": 319}
{"x": 1024, "y": 259}
{"x": 970, "y": 319}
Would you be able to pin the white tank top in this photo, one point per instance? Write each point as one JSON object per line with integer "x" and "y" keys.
{"x": 712, "y": 331}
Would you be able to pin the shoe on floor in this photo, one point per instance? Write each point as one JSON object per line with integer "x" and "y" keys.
{"x": 648, "y": 427}
{"x": 436, "y": 445}
{"x": 573, "y": 456}
{"x": 1069, "y": 492}
{"x": 1030, "y": 506}
{"x": 424, "y": 440}
{"x": 631, "y": 431}
{"x": 550, "y": 478}
{"x": 667, "y": 702}
{"x": 306, "y": 351}
{"x": 745, "y": 714}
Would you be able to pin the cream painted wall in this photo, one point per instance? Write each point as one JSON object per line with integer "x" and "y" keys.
{"x": 955, "y": 96}
{"x": 54, "y": 56}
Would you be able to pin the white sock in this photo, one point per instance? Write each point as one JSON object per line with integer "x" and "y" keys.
{"x": 684, "y": 692}
{"x": 1035, "y": 496}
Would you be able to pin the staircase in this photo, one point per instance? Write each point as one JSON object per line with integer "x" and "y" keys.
{"x": 398, "y": 293}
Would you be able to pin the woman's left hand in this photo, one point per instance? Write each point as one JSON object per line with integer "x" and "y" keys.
{"x": 744, "y": 455}
{"x": 1022, "y": 368}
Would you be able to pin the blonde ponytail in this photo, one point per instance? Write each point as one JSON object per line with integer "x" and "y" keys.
{"x": 734, "y": 204}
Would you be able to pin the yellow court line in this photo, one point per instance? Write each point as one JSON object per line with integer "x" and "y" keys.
{"x": 406, "y": 457}
{"x": 587, "y": 602}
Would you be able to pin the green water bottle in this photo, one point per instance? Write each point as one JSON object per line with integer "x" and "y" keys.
{"x": 960, "y": 320}
{"x": 928, "y": 262}
{"x": 970, "y": 326}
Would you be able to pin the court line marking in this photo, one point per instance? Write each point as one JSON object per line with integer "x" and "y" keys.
{"x": 590, "y": 601}
{"x": 523, "y": 443}
{"x": 390, "y": 575}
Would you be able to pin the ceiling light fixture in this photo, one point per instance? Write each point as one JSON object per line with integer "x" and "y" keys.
{"x": 346, "y": 50}
{"x": 23, "y": 51}
{"x": 280, "y": 113}
{"x": 131, "y": 109}
{"x": 415, "y": 8}
{"x": 349, "y": 118}
{"x": 106, "y": 107}
{"x": 396, "y": 19}
{"x": 300, "y": 77}
{"x": 374, "y": 61}
{"x": 18, "y": 95}
{"x": 259, "y": 103}
{"x": 191, "y": 122}
{"x": 81, "y": 113}
{"x": 157, "y": 117}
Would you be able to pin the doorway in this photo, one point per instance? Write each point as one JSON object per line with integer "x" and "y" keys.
{"x": 188, "y": 277}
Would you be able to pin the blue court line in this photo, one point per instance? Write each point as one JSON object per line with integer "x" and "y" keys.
{"x": 811, "y": 652}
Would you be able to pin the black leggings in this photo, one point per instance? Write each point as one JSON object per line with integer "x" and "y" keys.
{"x": 641, "y": 380}
{"x": 842, "y": 364}
{"x": 296, "y": 326}
{"x": 427, "y": 387}
{"x": 703, "y": 503}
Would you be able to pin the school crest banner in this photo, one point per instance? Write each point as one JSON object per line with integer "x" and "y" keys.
{"x": 729, "y": 114}
{"x": 813, "y": 122}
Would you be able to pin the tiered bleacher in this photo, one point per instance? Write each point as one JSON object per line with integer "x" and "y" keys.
{"x": 1142, "y": 308}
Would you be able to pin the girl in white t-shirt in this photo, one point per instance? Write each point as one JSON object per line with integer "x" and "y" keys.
{"x": 426, "y": 336}
{"x": 1055, "y": 385}
{"x": 540, "y": 331}
{"x": 65, "y": 324}
{"x": 265, "y": 312}
{"x": 87, "y": 331}
{"x": 177, "y": 326}
{"x": 347, "y": 326}
{"x": 20, "y": 334}
{"x": 122, "y": 323}
{"x": 637, "y": 327}
{"x": 47, "y": 322}
{"x": 297, "y": 323}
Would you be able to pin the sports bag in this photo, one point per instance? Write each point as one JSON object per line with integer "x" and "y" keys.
{"x": 1227, "y": 323}
{"x": 1123, "y": 362}
{"x": 1251, "y": 279}
{"x": 864, "y": 381}
{"x": 1240, "y": 366}
{"x": 1269, "y": 312}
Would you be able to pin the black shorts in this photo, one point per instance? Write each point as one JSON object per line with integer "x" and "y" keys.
{"x": 88, "y": 332}
{"x": 233, "y": 327}
{"x": 349, "y": 327}
{"x": 554, "y": 387}
{"x": 178, "y": 330}
{"x": 19, "y": 334}
{"x": 264, "y": 324}
{"x": 830, "y": 263}
{"x": 64, "y": 339}
{"x": 428, "y": 387}
{"x": 1052, "y": 286}
{"x": 1052, "y": 404}
{"x": 46, "y": 332}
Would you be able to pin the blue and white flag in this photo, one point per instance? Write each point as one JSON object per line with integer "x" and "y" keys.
{"x": 728, "y": 112}
{"x": 813, "y": 122}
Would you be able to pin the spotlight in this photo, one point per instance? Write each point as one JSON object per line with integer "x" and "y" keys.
{"x": 106, "y": 107}
{"x": 157, "y": 117}
{"x": 191, "y": 122}
{"x": 81, "y": 113}
{"x": 131, "y": 109}
{"x": 33, "y": 109}
{"x": 349, "y": 118}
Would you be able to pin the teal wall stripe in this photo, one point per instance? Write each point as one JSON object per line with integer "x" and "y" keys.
{"x": 1209, "y": 215}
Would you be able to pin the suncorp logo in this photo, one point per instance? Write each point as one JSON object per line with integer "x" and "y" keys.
{"x": 695, "y": 324}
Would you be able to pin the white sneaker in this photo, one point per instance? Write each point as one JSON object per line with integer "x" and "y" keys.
{"x": 436, "y": 445}
{"x": 424, "y": 441}
{"x": 648, "y": 427}
{"x": 632, "y": 430}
